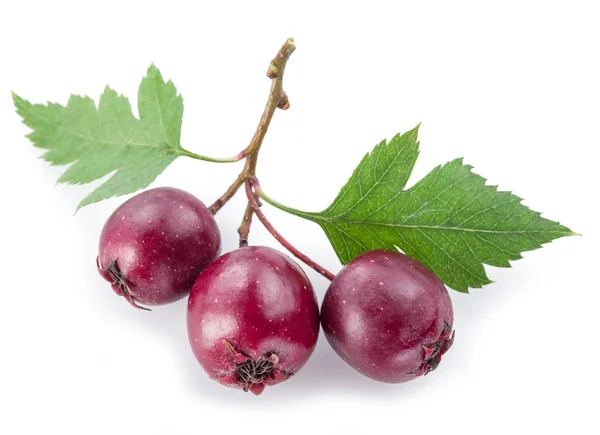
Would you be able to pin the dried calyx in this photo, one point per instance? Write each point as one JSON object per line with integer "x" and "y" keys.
{"x": 433, "y": 354}
{"x": 119, "y": 282}
{"x": 252, "y": 373}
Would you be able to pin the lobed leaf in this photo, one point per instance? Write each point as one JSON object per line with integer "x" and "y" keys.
{"x": 97, "y": 141}
{"x": 451, "y": 221}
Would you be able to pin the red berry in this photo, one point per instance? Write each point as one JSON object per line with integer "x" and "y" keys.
{"x": 154, "y": 245}
{"x": 388, "y": 316}
{"x": 253, "y": 318}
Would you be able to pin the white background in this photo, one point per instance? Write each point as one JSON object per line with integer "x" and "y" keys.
{"x": 512, "y": 86}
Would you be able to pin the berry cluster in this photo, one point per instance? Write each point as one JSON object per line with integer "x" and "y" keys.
{"x": 253, "y": 318}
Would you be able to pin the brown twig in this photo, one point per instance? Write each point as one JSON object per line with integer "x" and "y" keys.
{"x": 277, "y": 99}
{"x": 229, "y": 193}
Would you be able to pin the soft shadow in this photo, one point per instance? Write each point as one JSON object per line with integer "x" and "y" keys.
{"x": 325, "y": 374}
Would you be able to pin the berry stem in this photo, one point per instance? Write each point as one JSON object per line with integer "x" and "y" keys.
{"x": 250, "y": 182}
{"x": 229, "y": 193}
{"x": 244, "y": 228}
{"x": 277, "y": 99}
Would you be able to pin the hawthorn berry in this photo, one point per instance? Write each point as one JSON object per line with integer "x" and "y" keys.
{"x": 155, "y": 244}
{"x": 388, "y": 316}
{"x": 253, "y": 318}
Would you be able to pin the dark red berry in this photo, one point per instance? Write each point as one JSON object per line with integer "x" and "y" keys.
{"x": 253, "y": 318}
{"x": 388, "y": 316}
{"x": 154, "y": 245}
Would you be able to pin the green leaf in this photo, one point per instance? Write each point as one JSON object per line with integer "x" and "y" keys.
{"x": 98, "y": 141}
{"x": 450, "y": 220}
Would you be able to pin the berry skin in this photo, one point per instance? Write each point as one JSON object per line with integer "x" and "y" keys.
{"x": 155, "y": 244}
{"x": 388, "y": 316}
{"x": 253, "y": 318}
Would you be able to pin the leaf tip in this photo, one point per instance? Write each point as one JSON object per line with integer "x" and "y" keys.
{"x": 414, "y": 133}
{"x": 152, "y": 70}
{"x": 17, "y": 100}
{"x": 82, "y": 204}
{"x": 573, "y": 233}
